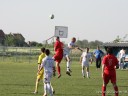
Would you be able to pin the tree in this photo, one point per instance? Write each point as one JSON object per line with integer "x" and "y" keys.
{"x": 85, "y": 43}
{"x": 33, "y": 43}
{"x": 9, "y": 40}
{"x": 39, "y": 45}
{"x": 14, "y": 40}
{"x": 118, "y": 39}
{"x": 79, "y": 43}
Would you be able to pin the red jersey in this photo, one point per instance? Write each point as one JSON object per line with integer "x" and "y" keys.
{"x": 110, "y": 61}
{"x": 58, "y": 46}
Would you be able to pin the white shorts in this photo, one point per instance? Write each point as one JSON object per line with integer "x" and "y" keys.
{"x": 66, "y": 53}
{"x": 47, "y": 77}
{"x": 85, "y": 64}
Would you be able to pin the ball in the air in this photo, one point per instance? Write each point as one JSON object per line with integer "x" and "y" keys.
{"x": 51, "y": 16}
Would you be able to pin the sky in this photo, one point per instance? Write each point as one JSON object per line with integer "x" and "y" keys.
{"x": 92, "y": 20}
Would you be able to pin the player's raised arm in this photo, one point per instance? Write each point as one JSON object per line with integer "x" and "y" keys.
{"x": 80, "y": 49}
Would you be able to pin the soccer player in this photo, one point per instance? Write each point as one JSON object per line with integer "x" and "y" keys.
{"x": 121, "y": 58}
{"x": 49, "y": 68}
{"x": 39, "y": 76}
{"x": 67, "y": 50}
{"x": 98, "y": 54}
{"x": 109, "y": 64}
{"x": 84, "y": 60}
{"x": 58, "y": 48}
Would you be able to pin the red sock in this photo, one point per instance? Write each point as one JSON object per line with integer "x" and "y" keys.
{"x": 103, "y": 90}
{"x": 58, "y": 69}
{"x": 116, "y": 90}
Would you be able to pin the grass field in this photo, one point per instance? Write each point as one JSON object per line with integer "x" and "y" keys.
{"x": 18, "y": 79}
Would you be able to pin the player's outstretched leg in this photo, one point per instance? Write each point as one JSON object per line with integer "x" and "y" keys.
{"x": 68, "y": 66}
{"x": 58, "y": 69}
{"x": 68, "y": 69}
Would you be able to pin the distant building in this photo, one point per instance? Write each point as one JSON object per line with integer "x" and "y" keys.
{"x": 117, "y": 47}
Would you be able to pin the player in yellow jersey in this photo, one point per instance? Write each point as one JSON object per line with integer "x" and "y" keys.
{"x": 40, "y": 75}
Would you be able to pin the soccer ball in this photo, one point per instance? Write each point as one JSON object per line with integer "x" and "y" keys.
{"x": 51, "y": 16}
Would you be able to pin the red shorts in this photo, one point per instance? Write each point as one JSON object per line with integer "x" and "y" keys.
{"x": 58, "y": 58}
{"x": 109, "y": 76}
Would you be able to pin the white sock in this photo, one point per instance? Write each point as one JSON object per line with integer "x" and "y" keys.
{"x": 68, "y": 65}
{"x": 87, "y": 74}
{"x": 83, "y": 72}
{"x": 45, "y": 88}
{"x": 49, "y": 89}
{"x": 52, "y": 87}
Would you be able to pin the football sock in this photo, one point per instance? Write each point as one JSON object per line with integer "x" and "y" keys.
{"x": 36, "y": 87}
{"x": 58, "y": 69}
{"x": 87, "y": 74}
{"x": 68, "y": 65}
{"x": 49, "y": 89}
{"x": 83, "y": 72}
{"x": 103, "y": 90}
{"x": 45, "y": 88}
{"x": 116, "y": 90}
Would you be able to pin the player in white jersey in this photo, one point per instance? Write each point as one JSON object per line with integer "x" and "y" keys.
{"x": 49, "y": 68}
{"x": 121, "y": 58}
{"x": 85, "y": 58}
{"x": 66, "y": 53}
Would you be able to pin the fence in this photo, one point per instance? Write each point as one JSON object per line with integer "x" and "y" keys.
{"x": 28, "y": 54}
{"x": 19, "y": 54}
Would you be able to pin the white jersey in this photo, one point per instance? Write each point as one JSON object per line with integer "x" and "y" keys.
{"x": 68, "y": 49}
{"x": 121, "y": 53}
{"x": 48, "y": 64}
{"x": 85, "y": 58}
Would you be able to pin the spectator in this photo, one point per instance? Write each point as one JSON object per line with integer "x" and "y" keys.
{"x": 121, "y": 58}
{"x": 98, "y": 54}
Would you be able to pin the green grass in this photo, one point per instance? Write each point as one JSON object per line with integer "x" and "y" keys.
{"x": 18, "y": 79}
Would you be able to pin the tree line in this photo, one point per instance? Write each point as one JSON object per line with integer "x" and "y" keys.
{"x": 85, "y": 43}
{"x": 20, "y": 42}
{"x": 17, "y": 40}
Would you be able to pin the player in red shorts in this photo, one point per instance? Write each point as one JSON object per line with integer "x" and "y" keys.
{"x": 109, "y": 64}
{"x": 58, "y": 48}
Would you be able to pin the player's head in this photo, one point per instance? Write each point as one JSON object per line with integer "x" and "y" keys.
{"x": 43, "y": 49}
{"x": 47, "y": 52}
{"x": 73, "y": 39}
{"x": 87, "y": 49}
{"x": 109, "y": 50}
{"x": 58, "y": 38}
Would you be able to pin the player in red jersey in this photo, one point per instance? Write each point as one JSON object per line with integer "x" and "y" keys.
{"x": 109, "y": 64}
{"x": 58, "y": 48}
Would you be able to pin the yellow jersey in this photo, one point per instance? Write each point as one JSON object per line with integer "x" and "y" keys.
{"x": 40, "y": 58}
